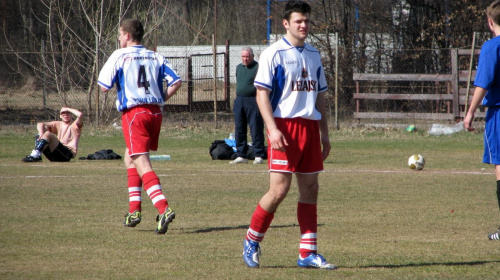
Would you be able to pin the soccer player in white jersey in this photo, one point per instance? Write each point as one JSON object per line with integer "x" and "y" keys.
{"x": 138, "y": 74}
{"x": 290, "y": 93}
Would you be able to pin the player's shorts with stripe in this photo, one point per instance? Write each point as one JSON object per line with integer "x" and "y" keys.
{"x": 303, "y": 153}
{"x": 491, "y": 136}
{"x": 141, "y": 128}
{"x": 60, "y": 154}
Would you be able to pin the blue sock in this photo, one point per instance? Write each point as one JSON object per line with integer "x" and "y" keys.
{"x": 41, "y": 144}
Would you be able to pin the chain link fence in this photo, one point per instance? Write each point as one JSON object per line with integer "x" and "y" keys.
{"x": 27, "y": 97}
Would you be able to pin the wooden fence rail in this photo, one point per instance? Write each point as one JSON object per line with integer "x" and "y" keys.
{"x": 454, "y": 98}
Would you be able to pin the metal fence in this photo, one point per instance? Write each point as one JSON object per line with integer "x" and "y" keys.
{"x": 34, "y": 93}
{"x": 36, "y": 98}
{"x": 199, "y": 92}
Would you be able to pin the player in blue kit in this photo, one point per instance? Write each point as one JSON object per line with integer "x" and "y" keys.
{"x": 138, "y": 74}
{"x": 290, "y": 94}
{"x": 487, "y": 90}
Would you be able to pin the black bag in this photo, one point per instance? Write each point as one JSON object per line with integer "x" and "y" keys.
{"x": 102, "y": 154}
{"x": 220, "y": 150}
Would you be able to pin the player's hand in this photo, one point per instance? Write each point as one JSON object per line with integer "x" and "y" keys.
{"x": 468, "y": 122}
{"x": 277, "y": 140}
{"x": 327, "y": 146}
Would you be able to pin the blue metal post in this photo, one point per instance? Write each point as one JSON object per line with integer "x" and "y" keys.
{"x": 356, "y": 24}
{"x": 268, "y": 21}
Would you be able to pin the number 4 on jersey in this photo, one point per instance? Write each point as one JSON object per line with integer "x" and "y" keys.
{"x": 142, "y": 80}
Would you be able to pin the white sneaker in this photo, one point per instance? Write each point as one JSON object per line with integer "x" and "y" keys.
{"x": 258, "y": 160}
{"x": 239, "y": 160}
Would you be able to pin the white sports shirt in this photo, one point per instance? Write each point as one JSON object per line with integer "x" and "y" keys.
{"x": 138, "y": 74}
{"x": 295, "y": 76}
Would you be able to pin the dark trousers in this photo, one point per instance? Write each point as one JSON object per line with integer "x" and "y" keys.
{"x": 246, "y": 112}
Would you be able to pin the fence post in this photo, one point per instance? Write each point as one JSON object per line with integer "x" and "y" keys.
{"x": 214, "y": 49}
{"x": 454, "y": 83}
{"x": 190, "y": 83}
{"x": 97, "y": 103}
{"x": 336, "y": 80}
{"x": 227, "y": 90}
{"x": 43, "y": 75}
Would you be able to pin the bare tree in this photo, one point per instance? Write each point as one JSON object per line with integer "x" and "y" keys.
{"x": 61, "y": 44}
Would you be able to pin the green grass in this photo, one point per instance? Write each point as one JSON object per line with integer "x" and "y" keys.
{"x": 377, "y": 218}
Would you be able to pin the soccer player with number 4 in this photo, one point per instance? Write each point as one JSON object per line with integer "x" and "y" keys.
{"x": 138, "y": 74}
{"x": 290, "y": 94}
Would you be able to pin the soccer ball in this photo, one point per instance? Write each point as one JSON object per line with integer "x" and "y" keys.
{"x": 416, "y": 162}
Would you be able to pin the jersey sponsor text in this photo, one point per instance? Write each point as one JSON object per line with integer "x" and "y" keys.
{"x": 148, "y": 100}
{"x": 304, "y": 85}
{"x": 280, "y": 162}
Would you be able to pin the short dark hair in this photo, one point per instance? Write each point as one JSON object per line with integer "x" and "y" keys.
{"x": 134, "y": 28}
{"x": 295, "y": 7}
{"x": 493, "y": 12}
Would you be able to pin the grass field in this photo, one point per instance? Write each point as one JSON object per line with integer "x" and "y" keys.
{"x": 377, "y": 218}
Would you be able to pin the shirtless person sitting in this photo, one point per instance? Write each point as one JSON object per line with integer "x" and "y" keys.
{"x": 58, "y": 140}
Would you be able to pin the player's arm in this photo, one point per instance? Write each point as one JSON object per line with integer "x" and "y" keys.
{"x": 276, "y": 138}
{"x": 79, "y": 116}
{"x": 478, "y": 96}
{"x": 172, "y": 89}
{"x": 108, "y": 72}
{"x": 42, "y": 127}
{"x": 323, "y": 125}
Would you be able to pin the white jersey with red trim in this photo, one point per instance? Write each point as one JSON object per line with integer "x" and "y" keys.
{"x": 138, "y": 74}
{"x": 295, "y": 76}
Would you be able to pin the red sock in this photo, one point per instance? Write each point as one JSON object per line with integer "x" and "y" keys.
{"x": 308, "y": 223}
{"x": 261, "y": 220}
{"x": 134, "y": 190}
{"x": 152, "y": 186}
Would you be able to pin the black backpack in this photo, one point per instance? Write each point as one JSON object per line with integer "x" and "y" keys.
{"x": 102, "y": 154}
{"x": 220, "y": 150}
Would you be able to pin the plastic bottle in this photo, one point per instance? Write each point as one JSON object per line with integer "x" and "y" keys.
{"x": 159, "y": 157}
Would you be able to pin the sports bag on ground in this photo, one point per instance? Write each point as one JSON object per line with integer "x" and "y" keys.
{"x": 103, "y": 154}
{"x": 220, "y": 150}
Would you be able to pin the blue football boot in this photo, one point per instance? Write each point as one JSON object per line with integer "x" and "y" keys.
{"x": 315, "y": 260}
{"x": 251, "y": 252}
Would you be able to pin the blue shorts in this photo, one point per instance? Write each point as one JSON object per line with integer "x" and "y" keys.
{"x": 492, "y": 136}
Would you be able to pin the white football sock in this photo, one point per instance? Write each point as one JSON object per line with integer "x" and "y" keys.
{"x": 35, "y": 154}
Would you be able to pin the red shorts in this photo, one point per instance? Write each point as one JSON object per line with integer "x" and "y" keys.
{"x": 141, "y": 128}
{"x": 303, "y": 153}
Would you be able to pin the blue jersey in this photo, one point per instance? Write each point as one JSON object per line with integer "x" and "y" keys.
{"x": 488, "y": 72}
{"x": 295, "y": 76}
{"x": 138, "y": 74}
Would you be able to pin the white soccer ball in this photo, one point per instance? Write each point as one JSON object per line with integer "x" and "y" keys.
{"x": 416, "y": 162}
